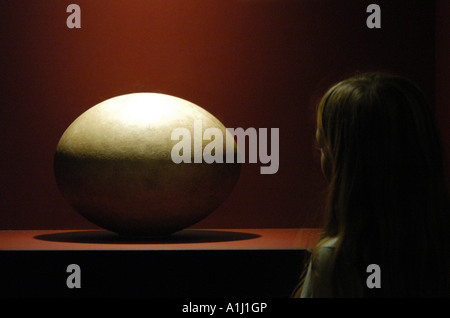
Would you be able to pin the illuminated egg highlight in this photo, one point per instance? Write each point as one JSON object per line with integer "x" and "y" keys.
{"x": 114, "y": 165}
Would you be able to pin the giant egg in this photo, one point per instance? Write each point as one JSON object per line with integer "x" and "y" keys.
{"x": 114, "y": 165}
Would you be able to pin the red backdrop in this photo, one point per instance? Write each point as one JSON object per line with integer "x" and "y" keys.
{"x": 251, "y": 63}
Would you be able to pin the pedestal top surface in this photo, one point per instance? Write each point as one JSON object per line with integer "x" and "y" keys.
{"x": 188, "y": 239}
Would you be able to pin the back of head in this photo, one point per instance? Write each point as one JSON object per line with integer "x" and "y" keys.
{"x": 388, "y": 200}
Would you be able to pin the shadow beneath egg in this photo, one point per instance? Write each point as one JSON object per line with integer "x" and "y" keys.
{"x": 181, "y": 237}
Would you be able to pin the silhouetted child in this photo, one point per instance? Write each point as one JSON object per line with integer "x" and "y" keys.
{"x": 388, "y": 200}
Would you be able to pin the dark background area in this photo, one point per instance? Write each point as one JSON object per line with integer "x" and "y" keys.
{"x": 251, "y": 63}
{"x": 161, "y": 274}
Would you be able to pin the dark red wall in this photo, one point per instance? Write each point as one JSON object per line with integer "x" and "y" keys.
{"x": 443, "y": 72}
{"x": 251, "y": 63}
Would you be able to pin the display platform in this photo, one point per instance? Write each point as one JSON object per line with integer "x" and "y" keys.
{"x": 191, "y": 263}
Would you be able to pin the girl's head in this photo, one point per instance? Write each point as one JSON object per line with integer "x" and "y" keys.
{"x": 380, "y": 146}
{"x": 382, "y": 156}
